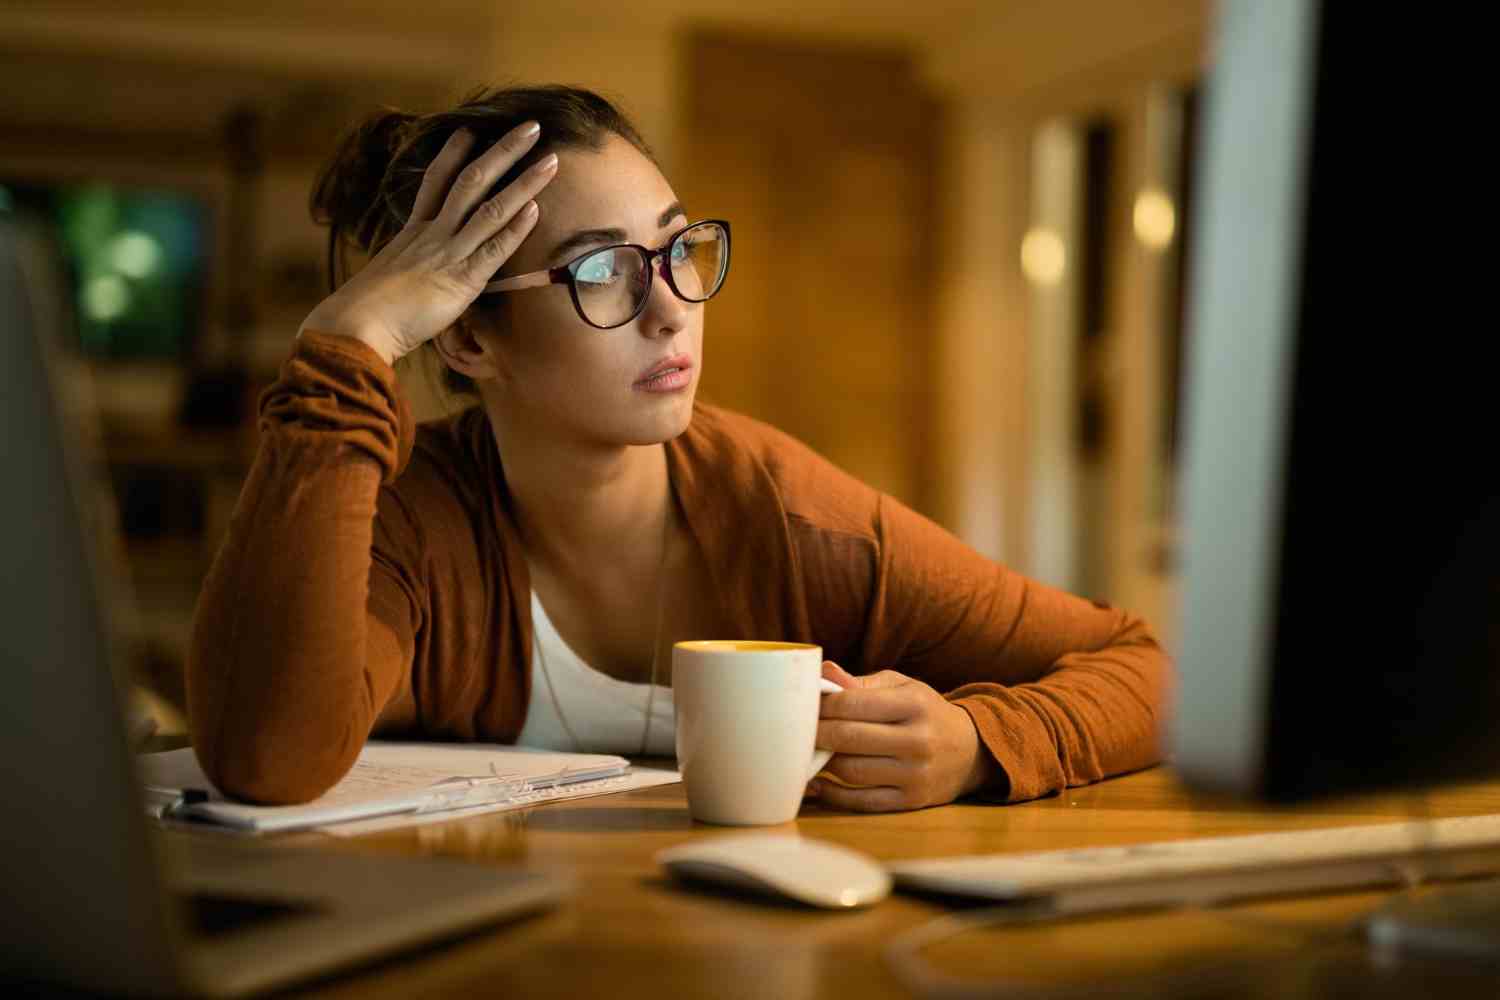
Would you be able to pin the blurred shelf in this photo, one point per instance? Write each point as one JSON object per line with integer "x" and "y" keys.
{"x": 222, "y": 451}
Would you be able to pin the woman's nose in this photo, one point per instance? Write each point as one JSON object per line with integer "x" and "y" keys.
{"x": 664, "y": 311}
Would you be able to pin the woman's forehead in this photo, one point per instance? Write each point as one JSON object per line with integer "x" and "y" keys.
{"x": 615, "y": 186}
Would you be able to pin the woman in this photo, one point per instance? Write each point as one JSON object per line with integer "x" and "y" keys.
{"x": 519, "y": 572}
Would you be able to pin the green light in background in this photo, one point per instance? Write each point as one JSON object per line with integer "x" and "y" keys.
{"x": 106, "y": 297}
{"x": 175, "y": 225}
{"x": 135, "y": 254}
{"x": 90, "y": 217}
{"x": 134, "y": 260}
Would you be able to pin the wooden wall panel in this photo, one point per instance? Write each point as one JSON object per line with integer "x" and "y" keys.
{"x": 822, "y": 158}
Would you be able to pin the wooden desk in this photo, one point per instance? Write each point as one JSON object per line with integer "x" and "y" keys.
{"x": 629, "y": 932}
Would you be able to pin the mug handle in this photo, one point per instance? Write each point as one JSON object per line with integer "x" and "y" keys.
{"x": 820, "y": 756}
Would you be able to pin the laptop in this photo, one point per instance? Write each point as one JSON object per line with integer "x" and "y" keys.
{"x": 96, "y": 895}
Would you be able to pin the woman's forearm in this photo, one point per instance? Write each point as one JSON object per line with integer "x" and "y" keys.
{"x": 287, "y": 670}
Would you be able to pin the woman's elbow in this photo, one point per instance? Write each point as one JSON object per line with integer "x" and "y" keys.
{"x": 266, "y": 772}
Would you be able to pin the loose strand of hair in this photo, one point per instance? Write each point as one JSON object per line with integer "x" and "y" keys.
{"x": 333, "y": 273}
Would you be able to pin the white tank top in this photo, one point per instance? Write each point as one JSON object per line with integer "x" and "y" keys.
{"x": 606, "y": 714}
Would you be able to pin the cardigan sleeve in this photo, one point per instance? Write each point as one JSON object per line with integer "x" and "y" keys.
{"x": 304, "y": 628}
{"x": 1063, "y": 691}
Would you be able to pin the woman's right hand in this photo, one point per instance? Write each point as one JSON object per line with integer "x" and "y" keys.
{"x": 428, "y": 274}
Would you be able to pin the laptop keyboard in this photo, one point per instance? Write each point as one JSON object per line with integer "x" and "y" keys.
{"x": 211, "y": 914}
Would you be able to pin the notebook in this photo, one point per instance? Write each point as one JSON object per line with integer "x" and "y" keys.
{"x": 389, "y": 779}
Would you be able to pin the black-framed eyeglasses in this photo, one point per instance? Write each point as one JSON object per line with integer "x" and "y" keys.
{"x": 610, "y": 285}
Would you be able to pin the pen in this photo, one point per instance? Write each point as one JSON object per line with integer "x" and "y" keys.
{"x": 465, "y": 792}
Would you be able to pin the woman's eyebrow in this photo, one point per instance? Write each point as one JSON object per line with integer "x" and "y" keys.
{"x": 672, "y": 212}
{"x": 585, "y": 237}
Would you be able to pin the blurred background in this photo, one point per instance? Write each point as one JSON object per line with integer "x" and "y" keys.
{"x": 958, "y": 226}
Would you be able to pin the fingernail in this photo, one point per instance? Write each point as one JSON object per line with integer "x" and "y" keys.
{"x": 530, "y": 129}
{"x": 548, "y": 163}
{"x": 528, "y": 210}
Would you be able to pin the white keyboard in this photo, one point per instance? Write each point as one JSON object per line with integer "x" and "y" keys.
{"x": 1215, "y": 869}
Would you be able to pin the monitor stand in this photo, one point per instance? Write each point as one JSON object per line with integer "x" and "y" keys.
{"x": 1450, "y": 920}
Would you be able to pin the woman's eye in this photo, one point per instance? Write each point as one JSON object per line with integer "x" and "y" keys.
{"x": 680, "y": 250}
{"x": 598, "y": 269}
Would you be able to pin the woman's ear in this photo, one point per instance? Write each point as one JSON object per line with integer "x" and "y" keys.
{"x": 464, "y": 348}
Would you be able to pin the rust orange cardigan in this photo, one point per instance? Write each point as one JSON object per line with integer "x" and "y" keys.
{"x": 372, "y": 578}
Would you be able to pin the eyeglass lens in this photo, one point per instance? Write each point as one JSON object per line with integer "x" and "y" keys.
{"x": 612, "y": 283}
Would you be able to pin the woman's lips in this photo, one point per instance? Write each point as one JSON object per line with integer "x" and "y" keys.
{"x": 669, "y": 375}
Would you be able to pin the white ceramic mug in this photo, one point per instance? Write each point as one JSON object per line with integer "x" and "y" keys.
{"x": 747, "y": 716}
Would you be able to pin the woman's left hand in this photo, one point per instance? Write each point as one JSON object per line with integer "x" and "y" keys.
{"x": 909, "y": 745}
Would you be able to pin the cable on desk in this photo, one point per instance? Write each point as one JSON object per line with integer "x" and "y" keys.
{"x": 1202, "y": 977}
{"x": 905, "y": 959}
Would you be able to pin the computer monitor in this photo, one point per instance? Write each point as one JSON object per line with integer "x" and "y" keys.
{"x": 1341, "y": 559}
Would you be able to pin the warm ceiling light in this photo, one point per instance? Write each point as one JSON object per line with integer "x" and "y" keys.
{"x": 1044, "y": 256}
{"x": 1155, "y": 218}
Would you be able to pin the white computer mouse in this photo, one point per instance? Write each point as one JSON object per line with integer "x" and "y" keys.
{"x": 814, "y": 872}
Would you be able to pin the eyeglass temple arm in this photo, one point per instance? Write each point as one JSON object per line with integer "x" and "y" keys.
{"x": 533, "y": 279}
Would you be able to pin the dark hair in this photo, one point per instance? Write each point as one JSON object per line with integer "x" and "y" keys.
{"x": 365, "y": 191}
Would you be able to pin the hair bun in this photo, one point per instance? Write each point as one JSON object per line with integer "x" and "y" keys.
{"x": 348, "y": 186}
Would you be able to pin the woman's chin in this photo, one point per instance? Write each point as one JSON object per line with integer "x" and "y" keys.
{"x": 663, "y": 419}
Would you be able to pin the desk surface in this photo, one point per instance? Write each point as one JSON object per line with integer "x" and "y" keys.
{"x": 631, "y": 932}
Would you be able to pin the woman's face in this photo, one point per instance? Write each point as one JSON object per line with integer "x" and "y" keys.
{"x": 558, "y": 374}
